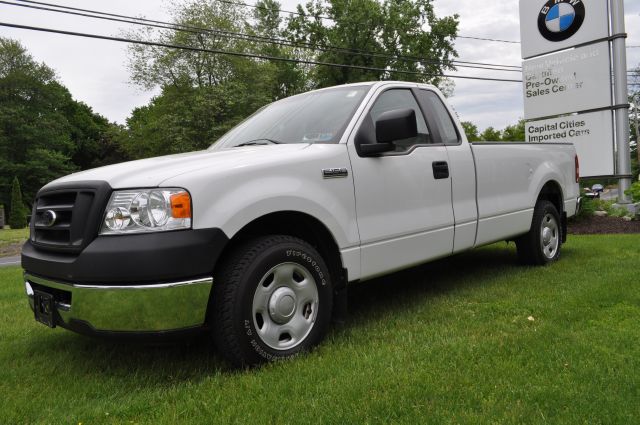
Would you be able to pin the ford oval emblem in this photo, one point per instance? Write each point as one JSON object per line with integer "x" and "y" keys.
{"x": 49, "y": 218}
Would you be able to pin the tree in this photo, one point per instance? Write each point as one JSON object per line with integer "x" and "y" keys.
{"x": 490, "y": 134}
{"x": 18, "y": 213}
{"x": 181, "y": 120}
{"x": 471, "y": 130}
{"x": 403, "y": 35}
{"x": 31, "y": 120}
{"x": 202, "y": 95}
{"x": 290, "y": 78}
{"x": 95, "y": 139}
{"x": 44, "y": 133}
{"x": 514, "y": 133}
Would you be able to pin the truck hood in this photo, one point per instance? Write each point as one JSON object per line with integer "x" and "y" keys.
{"x": 152, "y": 172}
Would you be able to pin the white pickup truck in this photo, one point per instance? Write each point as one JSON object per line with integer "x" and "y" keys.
{"x": 256, "y": 239}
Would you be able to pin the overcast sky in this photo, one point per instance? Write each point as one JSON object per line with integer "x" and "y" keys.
{"x": 95, "y": 71}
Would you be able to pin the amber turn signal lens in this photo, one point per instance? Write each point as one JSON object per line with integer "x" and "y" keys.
{"x": 181, "y": 205}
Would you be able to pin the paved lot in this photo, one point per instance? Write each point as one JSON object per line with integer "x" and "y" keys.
{"x": 610, "y": 195}
{"x": 10, "y": 261}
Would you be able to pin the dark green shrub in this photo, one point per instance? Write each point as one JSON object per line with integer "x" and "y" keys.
{"x": 18, "y": 214}
{"x": 634, "y": 192}
{"x": 587, "y": 209}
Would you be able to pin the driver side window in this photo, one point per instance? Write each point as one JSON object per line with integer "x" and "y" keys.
{"x": 402, "y": 99}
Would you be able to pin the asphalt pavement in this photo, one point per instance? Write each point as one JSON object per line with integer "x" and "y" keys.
{"x": 609, "y": 195}
{"x": 10, "y": 261}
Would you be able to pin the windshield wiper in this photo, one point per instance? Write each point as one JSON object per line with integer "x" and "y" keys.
{"x": 257, "y": 142}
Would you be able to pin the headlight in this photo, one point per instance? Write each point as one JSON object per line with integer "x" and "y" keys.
{"x": 147, "y": 210}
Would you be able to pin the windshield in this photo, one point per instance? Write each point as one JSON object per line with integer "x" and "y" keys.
{"x": 315, "y": 117}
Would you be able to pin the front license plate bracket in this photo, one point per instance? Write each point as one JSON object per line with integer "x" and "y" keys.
{"x": 44, "y": 307}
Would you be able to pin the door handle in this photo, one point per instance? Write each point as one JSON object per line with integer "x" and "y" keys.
{"x": 440, "y": 170}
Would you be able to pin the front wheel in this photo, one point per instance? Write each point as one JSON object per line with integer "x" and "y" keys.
{"x": 541, "y": 245}
{"x": 272, "y": 299}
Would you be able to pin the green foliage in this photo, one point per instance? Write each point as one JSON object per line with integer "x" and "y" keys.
{"x": 44, "y": 133}
{"x": 187, "y": 118}
{"x": 634, "y": 192}
{"x": 396, "y": 27}
{"x": 471, "y": 130}
{"x": 587, "y": 209}
{"x": 202, "y": 95}
{"x": 490, "y": 134}
{"x": 18, "y": 214}
{"x": 514, "y": 133}
{"x": 609, "y": 207}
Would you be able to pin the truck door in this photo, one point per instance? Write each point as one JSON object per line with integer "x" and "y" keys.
{"x": 403, "y": 198}
{"x": 462, "y": 167}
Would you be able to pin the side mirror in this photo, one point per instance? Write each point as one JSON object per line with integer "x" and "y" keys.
{"x": 373, "y": 139}
{"x": 397, "y": 124}
{"x": 365, "y": 140}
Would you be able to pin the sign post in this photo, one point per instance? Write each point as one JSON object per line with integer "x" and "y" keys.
{"x": 569, "y": 94}
{"x": 620, "y": 85}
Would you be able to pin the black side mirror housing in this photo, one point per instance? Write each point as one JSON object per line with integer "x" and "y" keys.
{"x": 374, "y": 139}
{"x": 365, "y": 140}
{"x": 397, "y": 124}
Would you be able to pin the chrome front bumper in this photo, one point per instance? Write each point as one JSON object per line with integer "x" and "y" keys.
{"x": 126, "y": 308}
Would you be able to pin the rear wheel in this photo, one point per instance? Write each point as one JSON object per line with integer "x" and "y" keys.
{"x": 541, "y": 245}
{"x": 272, "y": 299}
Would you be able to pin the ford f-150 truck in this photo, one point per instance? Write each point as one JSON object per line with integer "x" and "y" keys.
{"x": 255, "y": 239}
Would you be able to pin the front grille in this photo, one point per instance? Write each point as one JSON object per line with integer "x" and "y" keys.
{"x": 65, "y": 218}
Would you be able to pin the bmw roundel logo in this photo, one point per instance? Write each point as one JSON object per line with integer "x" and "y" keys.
{"x": 561, "y": 19}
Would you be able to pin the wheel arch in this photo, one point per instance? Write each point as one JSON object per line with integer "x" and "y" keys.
{"x": 300, "y": 225}
{"x": 552, "y": 191}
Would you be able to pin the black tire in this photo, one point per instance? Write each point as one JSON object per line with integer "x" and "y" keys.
{"x": 536, "y": 247}
{"x": 233, "y": 316}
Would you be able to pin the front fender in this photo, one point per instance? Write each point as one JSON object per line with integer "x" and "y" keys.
{"x": 253, "y": 200}
{"x": 231, "y": 196}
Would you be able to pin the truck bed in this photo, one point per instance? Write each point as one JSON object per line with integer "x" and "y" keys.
{"x": 510, "y": 177}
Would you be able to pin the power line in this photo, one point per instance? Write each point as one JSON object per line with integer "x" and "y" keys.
{"x": 242, "y": 36}
{"x": 247, "y": 55}
{"x": 231, "y": 34}
{"x": 255, "y": 6}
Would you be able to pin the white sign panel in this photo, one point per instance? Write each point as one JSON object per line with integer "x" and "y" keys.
{"x": 565, "y": 82}
{"x": 550, "y": 25}
{"x": 592, "y": 135}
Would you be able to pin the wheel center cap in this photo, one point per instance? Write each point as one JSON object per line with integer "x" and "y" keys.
{"x": 546, "y": 236}
{"x": 282, "y": 305}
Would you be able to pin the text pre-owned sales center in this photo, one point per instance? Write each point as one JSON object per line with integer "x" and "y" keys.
{"x": 572, "y": 51}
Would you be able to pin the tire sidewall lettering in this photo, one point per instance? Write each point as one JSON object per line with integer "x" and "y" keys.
{"x": 293, "y": 253}
{"x": 251, "y": 335}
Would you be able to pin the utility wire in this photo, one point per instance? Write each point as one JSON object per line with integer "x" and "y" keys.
{"x": 244, "y": 36}
{"x": 246, "y": 55}
{"x": 255, "y": 6}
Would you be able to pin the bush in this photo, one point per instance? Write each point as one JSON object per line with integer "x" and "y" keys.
{"x": 634, "y": 192}
{"x": 18, "y": 214}
{"x": 587, "y": 208}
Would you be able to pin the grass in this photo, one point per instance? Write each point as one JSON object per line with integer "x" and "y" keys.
{"x": 11, "y": 240}
{"x": 8, "y": 236}
{"x": 474, "y": 339}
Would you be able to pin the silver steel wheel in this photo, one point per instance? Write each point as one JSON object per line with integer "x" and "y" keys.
{"x": 285, "y": 306}
{"x": 549, "y": 236}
